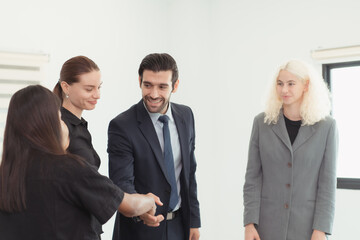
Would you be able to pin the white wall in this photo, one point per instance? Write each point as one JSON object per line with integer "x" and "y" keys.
{"x": 226, "y": 53}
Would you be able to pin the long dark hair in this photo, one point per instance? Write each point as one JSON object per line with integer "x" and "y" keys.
{"x": 32, "y": 125}
{"x": 71, "y": 70}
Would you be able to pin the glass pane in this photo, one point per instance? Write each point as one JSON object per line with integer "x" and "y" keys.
{"x": 345, "y": 85}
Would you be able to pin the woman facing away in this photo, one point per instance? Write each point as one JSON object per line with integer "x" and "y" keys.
{"x": 46, "y": 193}
{"x": 289, "y": 190}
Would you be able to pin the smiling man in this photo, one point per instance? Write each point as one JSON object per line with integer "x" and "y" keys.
{"x": 151, "y": 149}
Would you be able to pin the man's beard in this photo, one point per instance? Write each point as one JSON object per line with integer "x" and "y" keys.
{"x": 158, "y": 109}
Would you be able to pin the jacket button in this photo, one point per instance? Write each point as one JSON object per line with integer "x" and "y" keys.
{"x": 288, "y": 185}
{"x": 286, "y": 206}
{"x": 289, "y": 164}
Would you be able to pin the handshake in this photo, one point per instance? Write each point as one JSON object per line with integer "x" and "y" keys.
{"x": 142, "y": 207}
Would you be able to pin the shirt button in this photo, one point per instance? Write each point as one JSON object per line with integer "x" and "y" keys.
{"x": 288, "y": 185}
{"x": 289, "y": 164}
{"x": 286, "y": 206}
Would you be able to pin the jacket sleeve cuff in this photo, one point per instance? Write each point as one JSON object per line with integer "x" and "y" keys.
{"x": 195, "y": 223}
{"x": 251, "y": 216}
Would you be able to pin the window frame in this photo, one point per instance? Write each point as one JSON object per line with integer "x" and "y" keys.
{"x": 342, "y": 183}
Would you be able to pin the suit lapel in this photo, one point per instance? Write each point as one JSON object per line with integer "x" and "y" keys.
{"x": 281, "y": 132}
{"x": 183, "y": 137}
{"x": 147, "y": 128}
{"x": 305, "y": 132}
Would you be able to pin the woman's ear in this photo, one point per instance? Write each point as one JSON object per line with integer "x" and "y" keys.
{"x": 65, "y": 87}
{"x": 306, "y": 85}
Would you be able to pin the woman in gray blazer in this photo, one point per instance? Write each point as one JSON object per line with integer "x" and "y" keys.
{"x": 289, "y": 191}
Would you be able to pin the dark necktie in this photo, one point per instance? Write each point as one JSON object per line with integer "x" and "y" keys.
{"x": 169, "y": 162}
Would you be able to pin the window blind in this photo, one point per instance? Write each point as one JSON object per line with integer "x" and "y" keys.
{"x": 18, "y": 70}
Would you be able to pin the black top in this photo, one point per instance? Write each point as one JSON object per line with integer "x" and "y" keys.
{"x": 61, "y": 197}
{"x": 292, "y": 128}
{"x": 80, "y": 138}
{"x": 80, "y": 144}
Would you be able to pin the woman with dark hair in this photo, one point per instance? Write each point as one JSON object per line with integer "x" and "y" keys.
{"x": 79, "y": 90}
{"x": 46, "y": 193}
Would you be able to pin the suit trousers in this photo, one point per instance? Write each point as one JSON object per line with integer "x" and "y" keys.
{"x": 174, "y": 228}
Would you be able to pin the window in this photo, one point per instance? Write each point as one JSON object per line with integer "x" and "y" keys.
{"x": 344, "y": 82}
{"x": 17, "y": 70}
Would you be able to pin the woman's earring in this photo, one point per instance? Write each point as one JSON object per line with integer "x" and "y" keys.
{"x": 67, "y": 96}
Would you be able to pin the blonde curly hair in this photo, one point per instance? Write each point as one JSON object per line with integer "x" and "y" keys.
{"x": 316, "y": 103}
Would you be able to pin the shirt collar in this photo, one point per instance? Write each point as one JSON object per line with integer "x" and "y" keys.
{"x": 72, "y": 118}
{"x": 155, "y": 116}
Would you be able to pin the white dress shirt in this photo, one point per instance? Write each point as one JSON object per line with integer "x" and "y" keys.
{"x": 175, "y": 144}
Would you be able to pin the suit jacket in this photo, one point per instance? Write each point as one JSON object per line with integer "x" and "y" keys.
{"x": 290, "y": 189}
{"x": 136, "y": 165}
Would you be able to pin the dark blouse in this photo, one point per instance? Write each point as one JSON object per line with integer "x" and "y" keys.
{"x": 292, "y": 128}
{"x": 61, "y": 197}
{"x": 80, "y": 144}
{"x": 80, "y": 138}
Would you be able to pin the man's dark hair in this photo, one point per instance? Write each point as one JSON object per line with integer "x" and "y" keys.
{"x": 157, "y": 62}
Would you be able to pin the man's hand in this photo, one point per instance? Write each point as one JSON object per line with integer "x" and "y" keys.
{"x": 318, "y": 235}
{"x": 251, "y": 233}
{"x": 194, "y": 234}
{"x": 149, "y": 218}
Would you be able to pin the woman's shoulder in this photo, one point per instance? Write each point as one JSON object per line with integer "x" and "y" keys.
{"x": 56, "y": 167}
{"x": 69, "y": 118}
{"x": 259, "y": 118}
{"x": 328, "y": 121}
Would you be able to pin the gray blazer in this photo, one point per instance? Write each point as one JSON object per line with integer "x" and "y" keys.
{"x": 289, "y": 189}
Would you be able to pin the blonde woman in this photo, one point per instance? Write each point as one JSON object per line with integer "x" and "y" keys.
{"x": 289, "y": 190}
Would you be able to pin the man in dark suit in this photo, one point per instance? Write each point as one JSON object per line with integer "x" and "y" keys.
{"x": 151, "y": 149}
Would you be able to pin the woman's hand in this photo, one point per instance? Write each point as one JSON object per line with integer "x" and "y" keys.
{"x": 149, "y": 218}
{"x": 318, "y": 235}
{"x": 251, "y": 233}
{"x": 136, "y": 204}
